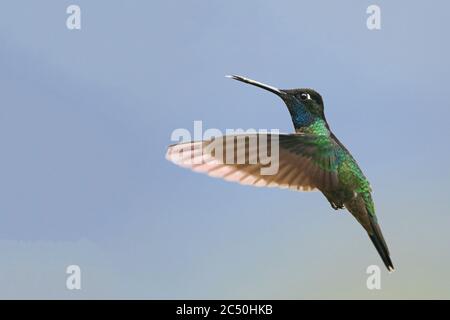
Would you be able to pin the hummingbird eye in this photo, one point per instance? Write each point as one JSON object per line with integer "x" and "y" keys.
{"x": 305, "y": 96}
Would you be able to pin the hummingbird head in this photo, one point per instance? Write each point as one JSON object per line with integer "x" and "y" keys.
{"x": 304, "y": 105}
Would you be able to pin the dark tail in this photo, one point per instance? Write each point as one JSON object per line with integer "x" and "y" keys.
{"x": 377, "y": 238}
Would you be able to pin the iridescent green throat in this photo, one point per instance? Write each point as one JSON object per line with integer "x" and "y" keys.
{"x": 317, "y": 127}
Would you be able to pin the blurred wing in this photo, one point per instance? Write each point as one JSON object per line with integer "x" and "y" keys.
{"x": 297, "y": 161}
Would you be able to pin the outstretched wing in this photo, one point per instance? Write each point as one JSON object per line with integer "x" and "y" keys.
{"x": 301, "y": 162}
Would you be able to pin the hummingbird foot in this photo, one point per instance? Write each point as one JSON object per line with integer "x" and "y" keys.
{"x": 334, "y": 201}
{"x": 337, "y": 207}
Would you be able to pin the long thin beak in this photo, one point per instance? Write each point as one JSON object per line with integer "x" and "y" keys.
{"x": 258, "y": 84}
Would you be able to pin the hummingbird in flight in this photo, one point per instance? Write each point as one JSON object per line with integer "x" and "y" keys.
{"x": 312, "y": 158}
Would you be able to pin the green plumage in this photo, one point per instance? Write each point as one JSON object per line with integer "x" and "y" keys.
{"x": 311, "y": 158}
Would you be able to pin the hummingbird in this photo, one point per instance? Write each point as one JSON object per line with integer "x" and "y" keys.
{"x": 310, "y": 159}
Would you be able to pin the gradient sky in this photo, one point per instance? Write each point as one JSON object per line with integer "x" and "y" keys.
{"x": 85, "y": 118}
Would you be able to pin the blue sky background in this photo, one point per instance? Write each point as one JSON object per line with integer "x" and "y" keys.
{"x": 85, "y": 118}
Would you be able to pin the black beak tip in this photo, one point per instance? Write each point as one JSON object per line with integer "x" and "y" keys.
{"x": 257, "y": 84}
{"x": 234, "y": 77}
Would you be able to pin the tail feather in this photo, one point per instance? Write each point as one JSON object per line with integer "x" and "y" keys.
{"x": 378, "y": 240}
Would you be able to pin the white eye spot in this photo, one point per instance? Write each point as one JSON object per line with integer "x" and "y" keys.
{"x": 305, "y": 96}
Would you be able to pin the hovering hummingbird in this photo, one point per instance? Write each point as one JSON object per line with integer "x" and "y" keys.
{"x": 312, "y": 158}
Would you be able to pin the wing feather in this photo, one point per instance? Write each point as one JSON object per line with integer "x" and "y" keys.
{"x": 306, "y": 162}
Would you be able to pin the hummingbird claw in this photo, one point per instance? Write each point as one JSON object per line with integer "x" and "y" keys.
{"x": 337, "y": 207}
